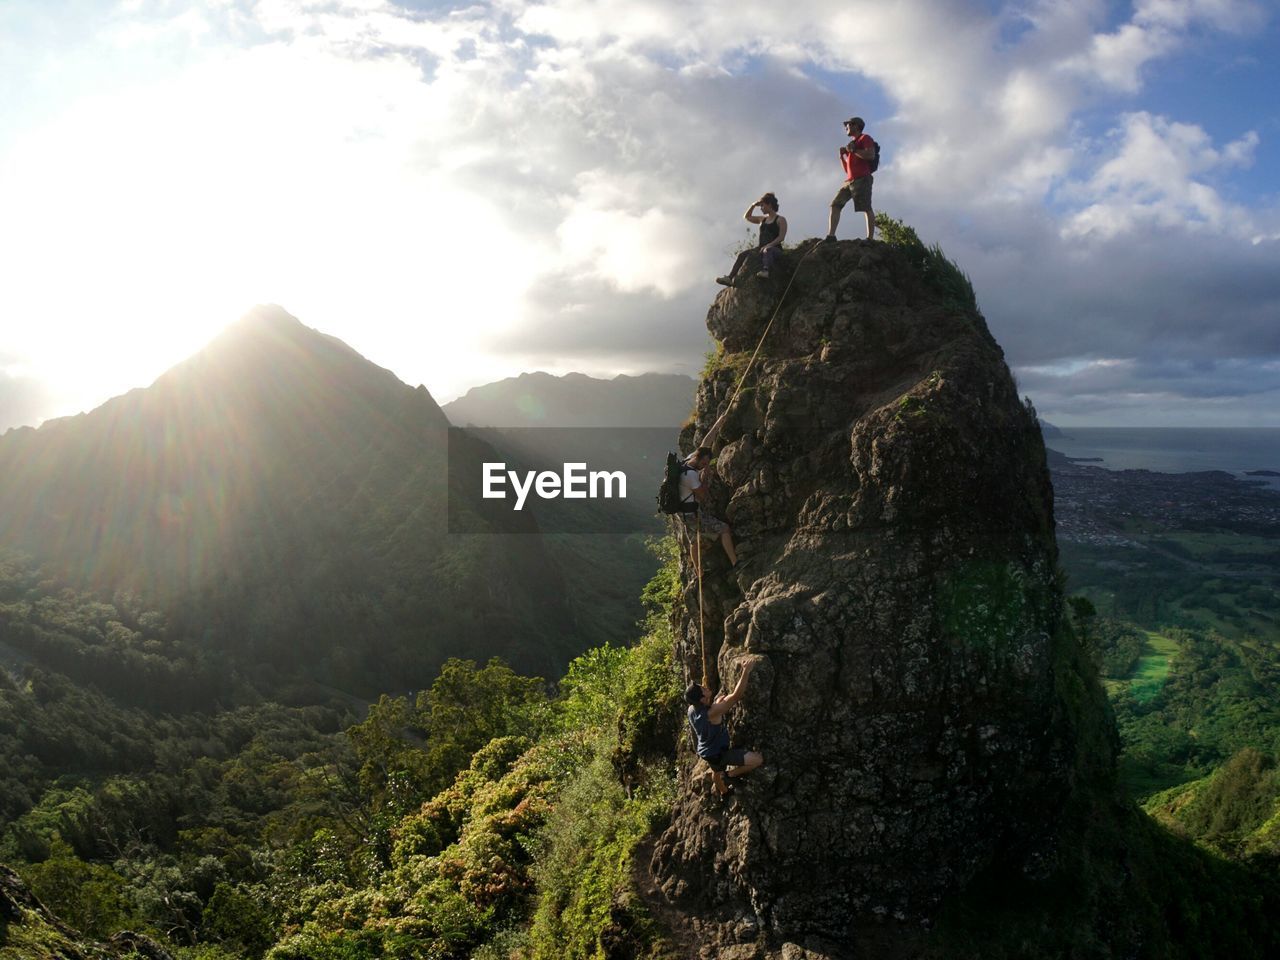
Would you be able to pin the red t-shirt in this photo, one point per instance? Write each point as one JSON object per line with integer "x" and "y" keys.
{"x": 855, "y": 168}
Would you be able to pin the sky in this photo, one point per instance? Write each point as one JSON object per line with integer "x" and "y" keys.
{"x": 466, "y": 192}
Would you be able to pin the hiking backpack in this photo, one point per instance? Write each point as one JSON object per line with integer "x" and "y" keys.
{"x": 669, "y": 492}
{"x": 874, "y": 162}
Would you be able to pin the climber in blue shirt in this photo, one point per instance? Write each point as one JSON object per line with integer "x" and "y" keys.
{"x": 711, "y": 739}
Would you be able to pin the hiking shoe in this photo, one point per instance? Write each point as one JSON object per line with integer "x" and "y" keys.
{"x": 763, "y": 274}
{"x": 829, "y": 238}
{"x": 726, "y": 281}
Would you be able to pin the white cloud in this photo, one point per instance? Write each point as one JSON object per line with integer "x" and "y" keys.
{"x": 1157, "y": 28}
{"x": 1155, "y": 176}
{"x": 620, "y": 228}
{"x": 446, "y": 189}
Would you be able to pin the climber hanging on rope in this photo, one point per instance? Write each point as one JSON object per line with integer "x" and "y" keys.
{"x": 694, "y": 484}
{"x": 773, "y": 230}
{"x": 711, "y": 738}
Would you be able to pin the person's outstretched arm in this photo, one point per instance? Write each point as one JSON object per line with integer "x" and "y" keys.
{"x": 721, "y": 706}
{"x": 710, "y": 439}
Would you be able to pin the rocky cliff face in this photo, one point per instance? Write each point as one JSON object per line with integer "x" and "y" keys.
{"x": 898, "y": 590}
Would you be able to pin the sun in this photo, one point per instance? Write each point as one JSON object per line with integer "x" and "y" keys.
{"x": 137, "y": 223}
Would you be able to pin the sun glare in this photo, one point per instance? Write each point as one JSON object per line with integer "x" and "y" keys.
{"x": 151, "y": 217}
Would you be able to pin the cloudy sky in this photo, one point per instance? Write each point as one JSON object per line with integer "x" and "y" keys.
{"x": 464, "y": 192}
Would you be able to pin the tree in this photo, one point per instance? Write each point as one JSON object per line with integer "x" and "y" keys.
{"x": 467, "y": 707}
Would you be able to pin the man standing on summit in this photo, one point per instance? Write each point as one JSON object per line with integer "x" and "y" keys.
{"x": 857, "y": 158}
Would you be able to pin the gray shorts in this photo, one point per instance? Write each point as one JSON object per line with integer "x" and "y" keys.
{"x": 711, "y": 525}
{"x": 859, "y": 191}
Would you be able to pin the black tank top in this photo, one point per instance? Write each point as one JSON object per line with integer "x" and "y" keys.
{"x": 769, "y": 231}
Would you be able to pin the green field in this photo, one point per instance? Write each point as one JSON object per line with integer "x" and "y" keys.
{"x": 1152, "y": 670}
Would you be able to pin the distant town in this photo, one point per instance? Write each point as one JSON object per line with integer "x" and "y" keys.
{"x": 1103, "y": 508}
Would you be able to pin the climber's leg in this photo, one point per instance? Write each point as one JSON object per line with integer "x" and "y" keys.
{"x": 750, "y": 761}
{"x": 843, "y": 196}
{"x": 713, "y": 528}
{"x": 726, "y": 541}
{"x": 716, "y": 772}
{"x": 860, "y": 189}
{"x": 732, "y": 275}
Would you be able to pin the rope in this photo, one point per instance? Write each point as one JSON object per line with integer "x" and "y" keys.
{"x": 768, "y": 327}
{"x": 702, "y": 636}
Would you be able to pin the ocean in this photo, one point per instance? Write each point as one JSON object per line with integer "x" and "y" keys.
{"x": 1176, "y": 449}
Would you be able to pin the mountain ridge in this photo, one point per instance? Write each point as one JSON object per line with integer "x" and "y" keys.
{"x": 540, "y": 399}
{"x": 277, "y": 484}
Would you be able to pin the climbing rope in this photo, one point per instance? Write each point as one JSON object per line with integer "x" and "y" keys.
{"x": 702, "y": 638}
{"x": 768, "y": 327}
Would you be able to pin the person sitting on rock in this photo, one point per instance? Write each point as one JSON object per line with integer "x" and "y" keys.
{"x": 694, "y": 480}
{"x": 711, "y": 738}
{"x": 773, "y": 230}
{"x": 856, "y": 159}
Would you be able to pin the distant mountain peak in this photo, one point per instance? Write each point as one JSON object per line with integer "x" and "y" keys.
{"x": 278, "y": 462}
{"x": 541, "y": 399}
{"x": 269, "y": 314}
{"x": 269, "y": 323}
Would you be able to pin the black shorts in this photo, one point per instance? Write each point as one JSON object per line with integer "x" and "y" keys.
{"x": 733, "y": 757}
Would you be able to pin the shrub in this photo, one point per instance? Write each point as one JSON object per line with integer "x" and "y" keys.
{"x": 938, "y": 271}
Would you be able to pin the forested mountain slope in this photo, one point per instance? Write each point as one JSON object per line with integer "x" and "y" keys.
{"x": 281, "y": 500}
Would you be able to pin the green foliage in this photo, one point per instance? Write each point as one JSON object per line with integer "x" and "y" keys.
{"x": 552, "y": 821}
{"x": 466, "y": 707}
{"x": 624, "y": 700}
{"x": 1218, "y": 697}
{"x": 937, "y": 270}
{"x": 712, "y": 360}
{"x": 663, "y": 589}
{"x": 1118, "y": 646}
{"x": 1234, "y": 811}
{"x": 459, "y": 871}
{"x": 589, "y": 688}
{"x": 1121, "y": 885}
{"x": 90, "y": 897}
{"x": 1229, "y": 585}
{"x": 119, "y": 647}
{"x": 335, "y": 846}
{"x": 394, "y": 773}
{"x": 238, "y": 917}
{"x": 717, "y": 359}
{"x": 585, "y": 876}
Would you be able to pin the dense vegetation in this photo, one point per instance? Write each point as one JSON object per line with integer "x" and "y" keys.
{"x": 1178, "y": 583}
{"x": 488, "y": 812}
